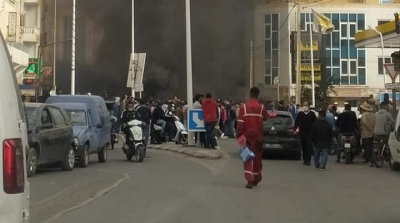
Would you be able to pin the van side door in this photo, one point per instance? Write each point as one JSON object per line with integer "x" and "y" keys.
{"x": 48, "y": 138}
{"x": 93, "y": 134}
{"x": 63, "y": 133}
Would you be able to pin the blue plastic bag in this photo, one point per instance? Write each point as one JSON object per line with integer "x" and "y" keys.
{"x": 246, "y": 154}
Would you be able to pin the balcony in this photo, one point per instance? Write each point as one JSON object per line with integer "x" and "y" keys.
{"x": 31, "y": 34}
{"x": 32, "y": 2}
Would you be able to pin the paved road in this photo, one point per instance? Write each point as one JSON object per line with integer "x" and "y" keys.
{"x": 172, "y": 188}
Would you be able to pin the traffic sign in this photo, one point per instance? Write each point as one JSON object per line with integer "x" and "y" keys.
{"x": 389, "y": 67}
{"x": 392, "y": 86}
{"x": 196, "y": 120}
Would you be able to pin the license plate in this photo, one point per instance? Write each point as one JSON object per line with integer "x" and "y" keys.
{"x": 347, "y": 146}
{"x": 275, "y": 146}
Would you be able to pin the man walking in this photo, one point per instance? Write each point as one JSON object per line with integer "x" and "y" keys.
{"x": 321, "y": 136}
{"x": 145, "y": 114}
{"x": 367, "y": 131}
{"x": 304, "y": 122}
{"x": 250, "y": 124}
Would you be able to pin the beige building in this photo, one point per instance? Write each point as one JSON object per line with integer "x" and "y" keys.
{"x": 358, "y": 72}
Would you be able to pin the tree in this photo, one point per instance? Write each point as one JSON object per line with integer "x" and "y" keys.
{"x": 323, "y": 90}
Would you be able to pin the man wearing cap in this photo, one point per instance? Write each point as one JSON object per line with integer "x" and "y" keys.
{"x": 367, "y": 131}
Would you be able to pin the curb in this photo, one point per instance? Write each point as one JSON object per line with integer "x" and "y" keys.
{"x": 190, "y": 151}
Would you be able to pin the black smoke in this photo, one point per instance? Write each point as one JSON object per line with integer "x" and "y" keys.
{"x": 220, "y": 40}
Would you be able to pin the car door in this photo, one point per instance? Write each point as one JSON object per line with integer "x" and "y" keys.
{"x": 93, "y": 135}
{"x": 48, "y": 137}
{"x": 63, "y": 132}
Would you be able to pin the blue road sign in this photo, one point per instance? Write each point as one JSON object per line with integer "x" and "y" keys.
{"x": 196, "y": 120}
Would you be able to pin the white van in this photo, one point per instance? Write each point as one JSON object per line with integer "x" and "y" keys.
{"x": 14, "y": 187}
{"x": 394, "y": 144}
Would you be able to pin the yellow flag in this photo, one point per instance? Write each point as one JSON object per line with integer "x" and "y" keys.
{"x": 322, "y": 23}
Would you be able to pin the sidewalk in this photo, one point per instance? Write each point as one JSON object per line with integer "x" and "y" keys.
{"x": 197, "y": 152}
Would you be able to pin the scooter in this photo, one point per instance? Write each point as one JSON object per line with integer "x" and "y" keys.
{"x": 177, "y": 132}
{"x": 134, "y": 145}
{"x": 348, "y": 147}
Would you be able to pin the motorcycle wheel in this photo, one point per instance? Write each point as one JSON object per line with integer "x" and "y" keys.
{"x": 129, "y": 157}
{"x": 182, "y": 139}
{"x": 140, "y": 153}
{"x": 378, "y": 161}
{"x": 347, "y": 157}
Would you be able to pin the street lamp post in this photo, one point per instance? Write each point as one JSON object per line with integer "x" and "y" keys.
{"x": 133, "y": 47}
{"x": 55, "y": 46}
{"x": 73, "y": 47}
{"x": 189, "y": 80}
{"x": 383, "y": 55}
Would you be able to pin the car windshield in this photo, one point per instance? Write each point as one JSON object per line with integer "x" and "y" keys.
{"x": 278, "y": 122}
{"x": 31, "y": 116}
{"x": 78, "y": 117}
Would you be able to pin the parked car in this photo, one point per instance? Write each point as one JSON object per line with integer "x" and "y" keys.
{"x": 84, "y": 130}
{"x": 15, "y": 188}
{"x": 100, "y": 117}
{"x": 50, "y": 137}
{"x": 280, "y": 137}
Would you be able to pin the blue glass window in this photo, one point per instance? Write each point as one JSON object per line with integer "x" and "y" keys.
{"x": 344, "y": 49}
{"x": 335, "y": 20}
{"x": 327, "y": 40}
{"x": 275, "y": 22}
{"x": 353, "y": 80}
{"x": 361, "y": 21}
{"x": 361, "y": 58}
{"x": 352, "y": 30}
{"x": 267, "y": 31}
{"x": 344, "y": 80}
{"x": 345, "y": 67}
{"x": 336, "y": 75}
{"x": 343, "y": 30}
{"x": 353, "y": 67}
{"x": 328, "y": 72}
{"x": 267, "y": 49}
{"x": 353, "y": 50}
{"x": 335, "y": 58}
{"x": 268, "y": 67}
{"x": 361, "y": 75}
{"x": 328, "y": 58}
{"x": 328, "y": 15}
{"x": 335, "y": 40}
{"x": 344, "y": 17}
{"x": 268, "y": 18}
{"x": 352, "y": 17}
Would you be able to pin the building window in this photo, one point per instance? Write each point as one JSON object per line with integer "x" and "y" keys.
{"x": 271, "y": 48}
{"x": 380, "y": 65}
{"x": 346, "y": 64}
{"x": 385, "y": 1}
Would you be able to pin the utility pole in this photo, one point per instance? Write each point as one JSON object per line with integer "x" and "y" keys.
{"x": 189, "y": 77}
{"x": 298, "y": 54}
{"x": 251, "y": 65}
{"x": 55, "y": 46}
{"x": 73, "y": 47}
{"x": 133, "y": 47}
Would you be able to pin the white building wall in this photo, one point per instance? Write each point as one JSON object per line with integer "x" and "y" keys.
{"x": 373, "y": 13}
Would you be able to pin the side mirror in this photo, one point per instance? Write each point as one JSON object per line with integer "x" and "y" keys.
{"x": 99, "y": 126}
{"x": 47, "y": 126}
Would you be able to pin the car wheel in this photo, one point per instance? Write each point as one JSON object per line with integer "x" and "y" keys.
{"x": 395, "y": 166}
{"x": 102, "y": 155}
{"x": 69, "y": 161}
{"x": 84, "y": 157}
{"x": 32, "y": 163}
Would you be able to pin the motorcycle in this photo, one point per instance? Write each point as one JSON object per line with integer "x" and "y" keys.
{"x": 134, "y": 145}
{"x": 348, "y": 146}
{"x": 176, "y": 132}
{"x": 381, "y": 152}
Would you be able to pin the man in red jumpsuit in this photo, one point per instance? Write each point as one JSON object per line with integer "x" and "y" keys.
{"x": 250, "y": 124}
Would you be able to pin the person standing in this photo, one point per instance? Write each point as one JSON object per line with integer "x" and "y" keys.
{"x": 367, "y": 131}
{"x": 250, "y": 124}
{"x": 117, "y": 113}
{"x": 210, "y": 110}
{"x": 304, "y": 121}
{"x": 321, "y": 137}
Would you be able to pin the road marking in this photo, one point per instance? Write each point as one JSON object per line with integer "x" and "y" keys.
{"x": 97, "y": 195}
{"x": 57, "y": 194}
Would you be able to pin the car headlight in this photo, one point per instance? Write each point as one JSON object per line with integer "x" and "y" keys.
{"x": 76, "y": 141}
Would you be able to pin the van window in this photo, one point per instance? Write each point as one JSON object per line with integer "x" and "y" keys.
{"x": 58, "y": 117}
{"x": 90, "y": 119}
{"x": 46, "y": 117}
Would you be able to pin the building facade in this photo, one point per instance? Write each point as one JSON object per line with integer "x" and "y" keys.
{"x": 20, "y": 25}
{"x": 356, "y": 72}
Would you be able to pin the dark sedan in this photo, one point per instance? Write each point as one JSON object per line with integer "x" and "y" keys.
{"x": 50, "y": 137}
{"x": 280, "y": 137}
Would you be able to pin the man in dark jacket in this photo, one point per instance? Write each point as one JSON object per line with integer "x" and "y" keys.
{"x": 347, "y": 124}
{"x": 158, "y": 117}
{"x": 281, "y": 106}
{"x": 321, "y": 136}
{"x": 304, "y": 122}
{"x": 129, "y": 114}
{"x": 145, "y": 113}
